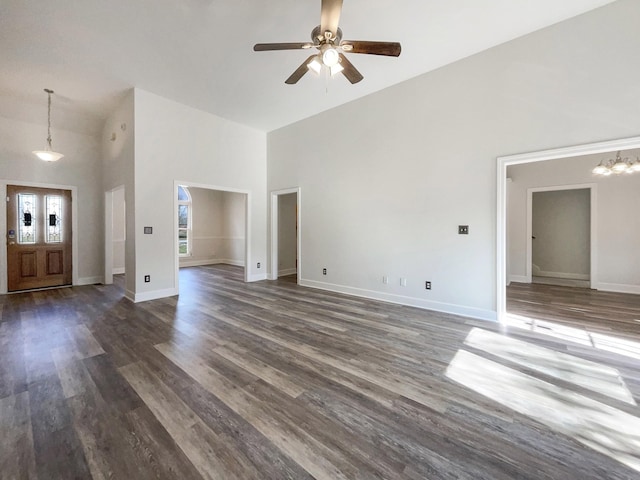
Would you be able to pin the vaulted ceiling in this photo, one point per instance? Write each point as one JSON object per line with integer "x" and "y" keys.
{"x": 199, "y": 52}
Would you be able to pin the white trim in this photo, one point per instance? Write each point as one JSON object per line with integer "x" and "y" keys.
{"x": 564, "y": 275}
{"x": 109, "y": 271}
{"x": 618, "y": 288}
{"x": 118, "y": 271}
{"x": 403, "y": 300}
{"x": 257, "y": 277}
{"x": 152, "y": 295}
{"x": 518, "y": 279}
{"x": 90, "y": 280}
{"x": 273, "y": 260}
{"x": 74, "y": 228}
{"x": 593, "y": 241}
{"x": 285, "y": 272}
{"x": 501, "y": 201}
{"x": 247, "y": 227}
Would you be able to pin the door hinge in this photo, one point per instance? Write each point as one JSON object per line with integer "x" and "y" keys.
{"x": 8, "y": 200}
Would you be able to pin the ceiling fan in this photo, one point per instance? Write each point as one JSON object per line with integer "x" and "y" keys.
{"x": 327, "y": 38}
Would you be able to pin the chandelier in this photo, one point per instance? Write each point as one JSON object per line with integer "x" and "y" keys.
{"x": 617, "y": 166}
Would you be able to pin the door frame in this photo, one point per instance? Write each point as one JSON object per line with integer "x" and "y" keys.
{"x": 273, "y": 257}
{"x": 3, "y": 228}
{"x": 593, "y": 241}
{"x": 108, "y": 233}
{"x": 501, "y": 199}
{"x": 247, "y": 227}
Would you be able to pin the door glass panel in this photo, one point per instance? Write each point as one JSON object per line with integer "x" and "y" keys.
{"x": 183, "y": 216}
{"x": 26, "y": 218}
{"x": 53, "y": 220}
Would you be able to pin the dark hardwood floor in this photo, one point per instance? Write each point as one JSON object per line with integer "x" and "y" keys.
{"x": 270, "y": 380}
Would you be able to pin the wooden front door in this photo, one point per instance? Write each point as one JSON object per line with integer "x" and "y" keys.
{"x": 38, "y": 237}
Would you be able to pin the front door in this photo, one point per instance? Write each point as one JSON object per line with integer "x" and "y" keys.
{"x": 38, "y": 237}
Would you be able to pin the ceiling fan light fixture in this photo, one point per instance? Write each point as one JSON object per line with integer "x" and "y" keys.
{"x": 315, "y": 65}
{"x": 330, "y": 57}
{"x": 335, "y": 69}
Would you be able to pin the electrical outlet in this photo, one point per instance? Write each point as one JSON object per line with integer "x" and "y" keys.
{"x": 403, "y": 282}
{"x": 385, "y": 279}
{"x": 258, "y": 264}
{"x": 463, "y": 229}
{"x": 147, "y": 278}
{"x": 324, "y": 271}
{"x": 427, "y": 285}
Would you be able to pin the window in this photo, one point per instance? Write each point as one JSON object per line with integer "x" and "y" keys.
{"x": 184, "y": 221}
{"x": 27, "y": 216}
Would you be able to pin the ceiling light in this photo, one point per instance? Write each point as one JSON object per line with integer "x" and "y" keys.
{"x": 337, "y": 68}
{"x": 315, "y": 65}
{"x": 618, "y": 165}
{"x": 330, "y": 57}
{"x": 48, "y": 155}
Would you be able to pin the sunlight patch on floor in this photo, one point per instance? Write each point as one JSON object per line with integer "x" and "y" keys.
{"x": 628, "y": 348}
{"x": 591, "y": 375}
{"x": 603, "y": 428}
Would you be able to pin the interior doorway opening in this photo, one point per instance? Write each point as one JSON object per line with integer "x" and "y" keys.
{"x": 285, "y": 255}
{"x": 608, "y": 269}
{"x": 211, "y": 227}
{"x": 115, "y": 233}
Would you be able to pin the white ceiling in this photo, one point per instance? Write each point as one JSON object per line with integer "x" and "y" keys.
{"x": 199, "y": 52}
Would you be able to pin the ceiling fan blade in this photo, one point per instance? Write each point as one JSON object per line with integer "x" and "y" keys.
{"x": 299, "y": 73}
{"x": 330, "y": 16}
{"x": 352, "y": 74}
{"x": 263, "y": 47}
{"x": 390, "y": 49}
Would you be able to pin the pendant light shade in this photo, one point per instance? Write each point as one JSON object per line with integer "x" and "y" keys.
{"x": 48, "y": 155}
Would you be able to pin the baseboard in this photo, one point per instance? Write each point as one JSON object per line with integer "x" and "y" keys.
{"x": 152, "y": 295}
{"x": 213, "y": 261}
{"x": 89, "y": 280}
{"x": 518, "y": 279}
{"x": 199, "y": 263}
{"x": 403, "y": 300}
{"x": 287, "y": 271}
{"x": 117, "y": 271}
{"x": 257, "y": 277}
{"x": 568, "y": 276}
{"x": 618, "y": 288}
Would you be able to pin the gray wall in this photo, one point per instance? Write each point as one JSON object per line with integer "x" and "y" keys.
{"x": 287, "y": 236}
{"x": 561, "y": 224}
{"x": 407, "y": 165}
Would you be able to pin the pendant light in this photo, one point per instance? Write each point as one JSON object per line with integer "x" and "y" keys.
{"x": 48, "y": 155}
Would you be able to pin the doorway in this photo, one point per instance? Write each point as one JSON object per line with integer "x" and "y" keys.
{"x": 212, "y": 226}
{"x": 114, "y": 233}
{"x": 39, "y": 237}
{"x": 502, "y": 275}
{"x": 561, "y": 230}
{"x": 285, "y": 258}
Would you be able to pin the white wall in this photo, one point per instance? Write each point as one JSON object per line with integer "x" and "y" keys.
{"x": 561, "y": 224}
{"x": 178, "y": 143}
{"x": 118, "y": 158}
{"x": 287, "y": 236}
{"x": 618, "y": 224}
{"x": 218, "y": 225}
{"x": 405, "y": 166}
{"x": 23, "y": 128}
{"x": 119, "y": 231}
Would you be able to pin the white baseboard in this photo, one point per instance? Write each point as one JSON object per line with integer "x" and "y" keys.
{"x": 257, "y": 277}
{"x": 518, "y": 279}
{"x": 618, "y": 288}
{"x": 287, "y": 271}
{"x": 403, "y": 300}
{"x": 152, "y": 295}
{"x": 212, "y": 261}
{"x": 117, "y": 271}
{"x": 237, "y": 263}
{"x": 568, "y": 276}
{"x": 89, "y": 280}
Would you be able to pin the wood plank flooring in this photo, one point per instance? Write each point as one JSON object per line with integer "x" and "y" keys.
{"x": 270, "y": 380}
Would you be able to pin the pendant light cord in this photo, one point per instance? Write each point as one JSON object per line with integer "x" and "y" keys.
{"x": 49, "y": 92}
